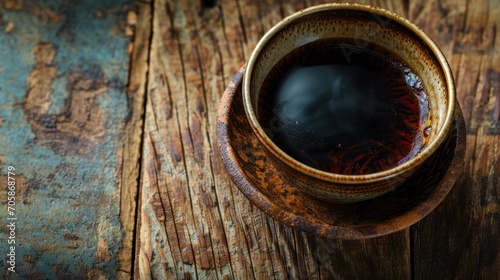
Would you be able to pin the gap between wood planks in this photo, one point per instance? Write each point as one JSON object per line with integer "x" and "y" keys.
{"x": 140, "y": 51}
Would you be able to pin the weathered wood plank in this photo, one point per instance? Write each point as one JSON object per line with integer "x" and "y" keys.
{"x": 461, "y": 239}
{"x": 63, "y": 110}
{"x": 139, "y": 22}
{"x": 193, "y": 222}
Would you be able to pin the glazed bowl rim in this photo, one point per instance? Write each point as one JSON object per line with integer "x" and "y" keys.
{"x": 415, "y": 161}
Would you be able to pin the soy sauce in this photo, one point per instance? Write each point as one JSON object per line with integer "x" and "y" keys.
{"x": 344, "y": 109}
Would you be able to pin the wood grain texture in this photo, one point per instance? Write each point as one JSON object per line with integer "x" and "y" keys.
{"x": 461, "y": 239}
{"x": 139, "y": 25}
{"x": 193, "y": 222}
{"x": 220, "y": 39}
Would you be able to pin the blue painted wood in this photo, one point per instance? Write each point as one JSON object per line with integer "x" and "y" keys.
{"x": 66, "y": 150}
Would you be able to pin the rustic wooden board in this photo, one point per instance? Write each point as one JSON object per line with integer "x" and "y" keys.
{"x": 139, "y": 20}
{"x": 63, "y": 111}
{"x": 461, "y": 239}
{"x": 193, "y": 222}
{"x": 119, "y": 172}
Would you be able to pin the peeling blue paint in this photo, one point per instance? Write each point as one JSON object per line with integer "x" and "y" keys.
{"x": 66, "y": 193}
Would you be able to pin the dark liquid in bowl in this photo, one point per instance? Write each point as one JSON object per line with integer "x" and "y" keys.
{"x": 344, "y": 109}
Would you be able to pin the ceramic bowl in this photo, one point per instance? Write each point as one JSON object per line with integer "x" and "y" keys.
{"x": 363, "y": 24}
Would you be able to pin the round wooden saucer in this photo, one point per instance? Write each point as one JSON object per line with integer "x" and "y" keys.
{"x": 261, "y": 183}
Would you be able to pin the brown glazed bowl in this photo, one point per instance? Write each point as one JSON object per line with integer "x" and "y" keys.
{"x": 358, "y": 23}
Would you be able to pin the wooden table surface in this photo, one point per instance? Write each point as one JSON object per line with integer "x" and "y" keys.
{"x": 107, "y": 119}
